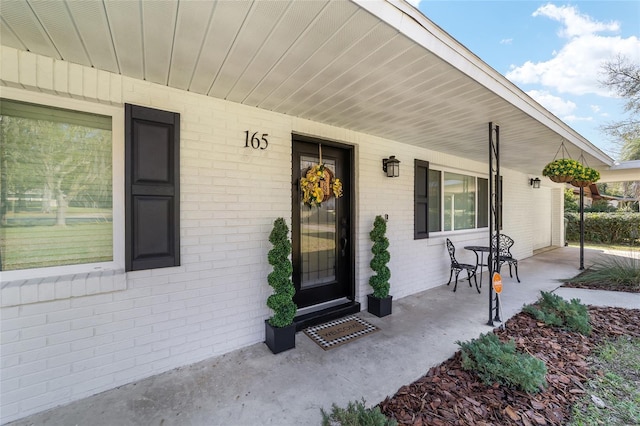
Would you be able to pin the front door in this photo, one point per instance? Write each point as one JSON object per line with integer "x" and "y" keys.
{"x": 322, "y": 252}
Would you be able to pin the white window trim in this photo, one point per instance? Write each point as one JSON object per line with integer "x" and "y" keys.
{"x": 476, "y": 175}
{"x": 117, "y": 142}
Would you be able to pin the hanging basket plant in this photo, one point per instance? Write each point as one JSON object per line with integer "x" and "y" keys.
{"x": 563, "y": 170}
{"x": 586, "y": 177}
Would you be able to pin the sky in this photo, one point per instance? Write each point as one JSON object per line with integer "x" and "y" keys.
{"x": 551, "y": 50}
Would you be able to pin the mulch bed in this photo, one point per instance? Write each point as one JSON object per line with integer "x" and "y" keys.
{"x": 604, "y": 286}
{"x": 448, "y": 395}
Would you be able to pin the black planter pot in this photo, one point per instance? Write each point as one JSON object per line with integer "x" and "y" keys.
{"x": 379, "y": 307}
{"x": 280, "y": 339}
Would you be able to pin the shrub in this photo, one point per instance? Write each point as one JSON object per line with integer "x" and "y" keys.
{"x": 554, "y": 310}
{"x": 610, "y": 228}
{"x": 598, "y": 206}
{"x": 356, "y": 414}
{"x": 380, "y": 281}
{"x": 496, "y": 361}
{"x": 281, "y": 301}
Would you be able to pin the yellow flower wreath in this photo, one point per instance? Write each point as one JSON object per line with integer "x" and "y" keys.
{"x": 311, "y": 184}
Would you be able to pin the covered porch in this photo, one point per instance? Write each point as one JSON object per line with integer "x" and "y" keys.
{"x": 251, "y": 386}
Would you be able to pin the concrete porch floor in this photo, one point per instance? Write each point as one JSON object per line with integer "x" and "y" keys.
{"x": 251, "y": 386}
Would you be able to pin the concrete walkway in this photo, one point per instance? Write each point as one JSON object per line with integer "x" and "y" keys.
{"x": 254, "y": 387}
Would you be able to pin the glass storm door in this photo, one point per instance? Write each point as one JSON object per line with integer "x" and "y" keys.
{"x": 321, "y": 236}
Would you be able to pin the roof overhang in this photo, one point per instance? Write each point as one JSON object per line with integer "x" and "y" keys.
{"x": 376, "y": 67}
{"x": 621, "y": 172}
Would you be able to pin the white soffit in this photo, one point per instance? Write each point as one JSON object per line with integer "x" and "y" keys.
{"x": 377, "y": 67}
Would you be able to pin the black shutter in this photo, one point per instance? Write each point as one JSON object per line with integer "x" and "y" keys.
{"x": 421, "y": 198}
{"x": 152, "y": 188}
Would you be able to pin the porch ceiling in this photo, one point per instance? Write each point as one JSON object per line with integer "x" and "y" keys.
{"x": 379, "y": 68}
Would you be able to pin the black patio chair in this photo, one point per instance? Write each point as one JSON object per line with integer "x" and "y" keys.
{"x": 458, "y": 267}
{"x": 504, "y": 253}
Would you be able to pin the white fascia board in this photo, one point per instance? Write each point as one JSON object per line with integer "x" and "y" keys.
{"x": 414, "y": 25}
{"x": 623, "y": 165}
{"x": 625, "y": 171}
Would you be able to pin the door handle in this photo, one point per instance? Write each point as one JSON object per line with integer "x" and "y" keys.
{"x": 343, "y": 246}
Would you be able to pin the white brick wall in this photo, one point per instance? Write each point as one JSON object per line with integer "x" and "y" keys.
{"x": 64, "y": 338}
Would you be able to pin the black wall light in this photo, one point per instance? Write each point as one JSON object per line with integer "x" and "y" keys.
{"x": 391, "y": 166}
{"x": 535, "y": 183}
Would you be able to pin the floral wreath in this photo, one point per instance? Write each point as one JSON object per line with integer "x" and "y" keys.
{"x": 318, "y": 185}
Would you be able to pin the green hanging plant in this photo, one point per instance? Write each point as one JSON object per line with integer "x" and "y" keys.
{"x": 281, "y": 301}
{"x": 585, "y": 177}
{"x": 380, "y": 281}
{"x": 563, "y": 170}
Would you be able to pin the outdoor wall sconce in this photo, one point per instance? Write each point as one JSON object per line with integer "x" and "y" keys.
{"x": 535, "y": 183}
{"x": 391, "y": 166}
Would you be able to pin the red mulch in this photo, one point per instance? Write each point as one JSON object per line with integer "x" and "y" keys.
{"x": 448, "y": 395}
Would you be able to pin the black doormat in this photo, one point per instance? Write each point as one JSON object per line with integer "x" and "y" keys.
{"x": 338, "y": 332}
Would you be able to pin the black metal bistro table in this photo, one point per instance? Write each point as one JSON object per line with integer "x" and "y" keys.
{"x": 479, "y": 259}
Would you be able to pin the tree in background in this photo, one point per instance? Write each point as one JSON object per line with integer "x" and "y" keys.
{"x": 54, "y": 161}
{"x": 570, "y": 201}
{"x": 623, "y": 77}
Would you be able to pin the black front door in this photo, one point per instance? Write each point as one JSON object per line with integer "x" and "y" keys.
{"x": 321, "y": 236}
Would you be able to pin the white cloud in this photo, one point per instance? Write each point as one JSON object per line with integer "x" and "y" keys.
{"x": 574, "y": 118}
{"x": 577, "y": 67}
{"x": 555, "y": 104}
{"x": 506, "y": 41}
{"x": 575, "y": 24}
{"x": 596, "y": 109}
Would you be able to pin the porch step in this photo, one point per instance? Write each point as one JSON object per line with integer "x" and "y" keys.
{"x": 325, "y": 315}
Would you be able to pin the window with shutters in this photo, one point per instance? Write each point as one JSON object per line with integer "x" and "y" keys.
{"x": 447, "y": 201}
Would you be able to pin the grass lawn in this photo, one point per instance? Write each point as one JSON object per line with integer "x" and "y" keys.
{"x": 599, "y": 246}
{"x": 616, "y": 383}
{"x": 25, "y": 247}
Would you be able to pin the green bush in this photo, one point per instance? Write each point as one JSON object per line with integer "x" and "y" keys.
{"x": 281, "y": 301}
{"x": 496, "y": 361}
{"x": 356, "y": 414}
{"x": 610, "y": 228}
{"x": 380, "y": 281}
{"x": 554, "y": 310}
{"x": 599, "y": 206}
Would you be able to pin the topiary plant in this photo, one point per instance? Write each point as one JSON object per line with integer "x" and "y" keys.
{"x": 380, "y": 281}
{"x": 281, "y": 301}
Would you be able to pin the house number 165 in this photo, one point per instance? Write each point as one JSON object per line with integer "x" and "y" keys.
{"x": 254, "y": 141}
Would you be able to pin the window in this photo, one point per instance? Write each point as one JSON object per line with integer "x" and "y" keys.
{"x": 56, "y": 200}
{"x": 448, "y": 201}
{"x": 483, "y": 203}
{"x": 435, "y": 222}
